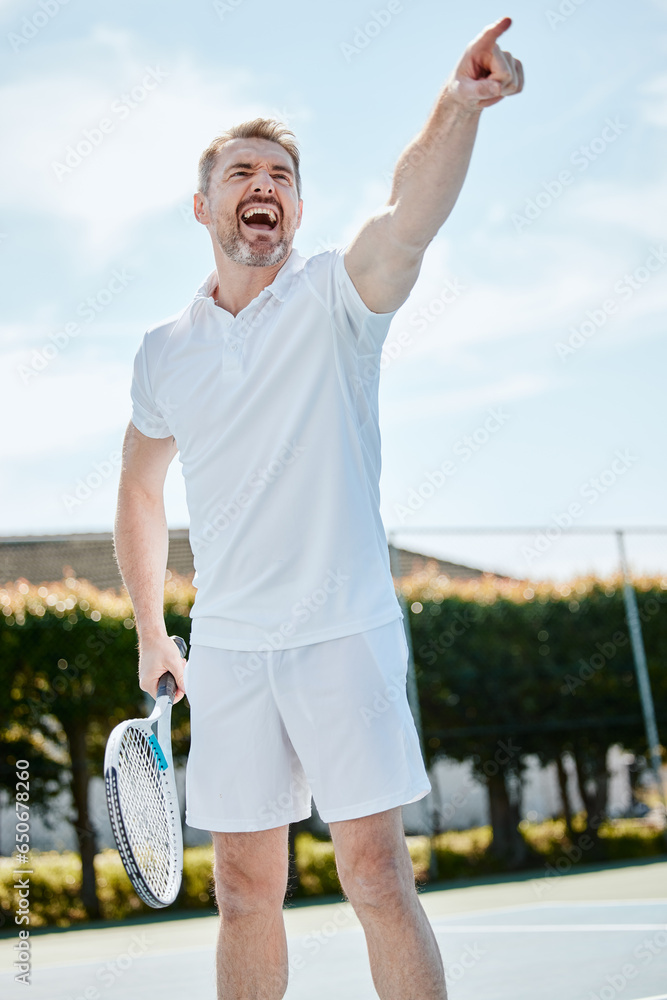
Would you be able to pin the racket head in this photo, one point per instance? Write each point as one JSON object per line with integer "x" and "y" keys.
{"x": 144, "y": 812}
{"x": 143, "y": 800}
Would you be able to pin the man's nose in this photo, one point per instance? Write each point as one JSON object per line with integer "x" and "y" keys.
{"x": 263, "y": 181}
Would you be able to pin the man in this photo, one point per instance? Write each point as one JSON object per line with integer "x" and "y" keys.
{"x": 266, "y": 384}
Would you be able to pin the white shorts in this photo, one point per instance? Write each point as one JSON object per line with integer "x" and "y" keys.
{"x": 329, "y": 720}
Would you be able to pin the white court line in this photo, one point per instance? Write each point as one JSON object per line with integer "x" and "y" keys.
{"x": 547, "y": 928}
{"x": 601, "y": 902}
{"x": 101, "y": 962}
{"x": 564, "y": 905}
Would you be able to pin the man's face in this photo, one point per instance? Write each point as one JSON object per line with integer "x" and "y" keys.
{"x": 252, "y": 209}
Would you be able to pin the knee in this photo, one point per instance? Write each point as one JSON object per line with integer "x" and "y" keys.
{"x": 378, "y": 881}
{"x": 243, "y": 891}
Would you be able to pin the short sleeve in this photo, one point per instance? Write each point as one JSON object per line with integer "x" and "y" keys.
{"x": 147, "y": 416}
{"x": 367, "y": 328}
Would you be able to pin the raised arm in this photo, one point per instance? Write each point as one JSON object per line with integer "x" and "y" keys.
{"x": 384, "y": 258}
{"x": 141, "y": 542}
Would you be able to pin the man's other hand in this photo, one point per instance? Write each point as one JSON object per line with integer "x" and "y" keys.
{"x": 486, "y": 73}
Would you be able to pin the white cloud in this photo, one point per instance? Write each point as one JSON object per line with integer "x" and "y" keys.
{"x": 539, "y": 283}
{"x": 65, "y": 408}
{"x": 11, "y": 8}
{"x": 655, "y": 108}
{"x": 613, "y": 204}
{"x": 430, "y": 405}
{"x": 485, "y": 310}
{"x": 145, "y": 163}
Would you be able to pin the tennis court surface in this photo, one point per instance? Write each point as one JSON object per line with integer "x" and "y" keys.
{"x": 594, "y": 935}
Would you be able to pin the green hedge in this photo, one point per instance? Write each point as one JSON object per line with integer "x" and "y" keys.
{"x": 54, "y": 886}
{"x": 56, "y": 878}
{"x": 465, "y": 853}
{"x": 549, "y": 665}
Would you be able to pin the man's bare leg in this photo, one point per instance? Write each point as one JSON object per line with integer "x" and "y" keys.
{"x": 376, "y": 874}
{"x": 250, "y": 871}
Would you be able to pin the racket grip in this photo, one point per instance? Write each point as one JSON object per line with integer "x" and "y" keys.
{"x": 182, "y": 645}
{"x": 166, "y": 685}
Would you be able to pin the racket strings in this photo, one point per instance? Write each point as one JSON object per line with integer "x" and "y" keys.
{"x": 144, "y": 810}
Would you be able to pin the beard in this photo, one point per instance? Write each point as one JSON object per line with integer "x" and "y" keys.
{"x": 255, "y": 253}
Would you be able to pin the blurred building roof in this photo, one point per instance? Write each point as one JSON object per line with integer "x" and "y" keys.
{"x": 46, "y": 558}
{"x": 405, "y": 563}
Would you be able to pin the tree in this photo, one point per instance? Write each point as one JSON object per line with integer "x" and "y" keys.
{"x": 17, "y": 744}
{"x": 588, "y": 649}
{"x": 545, "y": 668}
{"x": 479, "y": 692}
{"x": 71, "y": 653}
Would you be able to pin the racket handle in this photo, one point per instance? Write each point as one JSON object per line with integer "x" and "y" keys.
{"x": 182, "y": 645}
{"x": 166, "y": 685}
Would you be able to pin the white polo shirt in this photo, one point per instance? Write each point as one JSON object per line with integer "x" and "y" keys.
{"x": 275, "y": 415}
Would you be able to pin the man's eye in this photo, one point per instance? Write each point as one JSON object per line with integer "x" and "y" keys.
{"x": 237, "y": 172}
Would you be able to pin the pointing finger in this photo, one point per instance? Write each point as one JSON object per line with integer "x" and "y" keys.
{"x": 487, "y": 38}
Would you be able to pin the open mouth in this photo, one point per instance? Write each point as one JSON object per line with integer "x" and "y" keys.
{"x": 260, "y": 218}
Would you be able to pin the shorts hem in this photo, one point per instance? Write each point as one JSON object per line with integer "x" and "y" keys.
{"x": 243, "y": 825}
{"x": 374, "y": 805}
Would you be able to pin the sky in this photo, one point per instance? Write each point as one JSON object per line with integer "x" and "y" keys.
{"x": 529, "y": 360}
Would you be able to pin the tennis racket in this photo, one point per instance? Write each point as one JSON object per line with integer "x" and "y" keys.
{"x": 142, "y": 798}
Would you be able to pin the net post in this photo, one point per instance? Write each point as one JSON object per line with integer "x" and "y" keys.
{"x": 413, "y": 699}
{"x": 641, "y": 670}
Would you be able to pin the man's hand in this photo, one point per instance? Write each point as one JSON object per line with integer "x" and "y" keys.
{"x": 157, "y": 655}
{"x": 486, "y": 73}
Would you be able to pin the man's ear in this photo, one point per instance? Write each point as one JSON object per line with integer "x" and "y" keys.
{"x": 200, "y": 209}
{"x": 300, "y": 212}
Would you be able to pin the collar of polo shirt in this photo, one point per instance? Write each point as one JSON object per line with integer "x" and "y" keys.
{"x": 278, "y": 286}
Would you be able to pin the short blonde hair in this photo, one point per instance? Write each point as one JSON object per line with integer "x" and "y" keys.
{"x": 258, "y": 128}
